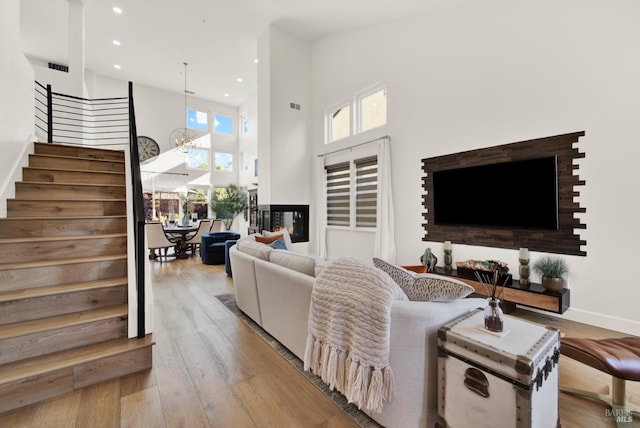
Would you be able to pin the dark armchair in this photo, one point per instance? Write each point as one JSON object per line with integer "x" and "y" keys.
{"x": 213, "y": 246}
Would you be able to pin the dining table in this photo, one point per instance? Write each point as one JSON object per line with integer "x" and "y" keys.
{"x": 180, "y": 234}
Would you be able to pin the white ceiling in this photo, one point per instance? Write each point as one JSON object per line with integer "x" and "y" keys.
{"x": 218, "y": 38}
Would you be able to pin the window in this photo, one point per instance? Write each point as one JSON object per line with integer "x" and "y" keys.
{"x": 367, "y": 111}
{"x": 223, "y": 124}
{"x": 366, "y": 191}
{"x": 223, "y": 161}
{"x": 244, "y": 124}
{"x": 340, "y": 123}
{"x": 352, "y": 193}
{"x": 338, "y": 194}
{"x": 197, "y": 120}
{"x": 198, "y": 159}
{"x": 373, "y": 110}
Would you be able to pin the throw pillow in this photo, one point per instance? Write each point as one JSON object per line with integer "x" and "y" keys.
{"x": 285, "y": 235}
{"x": 268, "y": 239}
{"x": 425, "y": 287}
{"x": 278, "y": 244}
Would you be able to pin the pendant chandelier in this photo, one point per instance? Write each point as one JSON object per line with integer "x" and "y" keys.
{"x": 183, "y": 139}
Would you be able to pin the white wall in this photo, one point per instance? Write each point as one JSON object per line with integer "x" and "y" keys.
{"x": 285, "y": 148}
{"x": 159, "y": 112}
{"x": 466, "y": 77}
{"x": 17, "y": 106}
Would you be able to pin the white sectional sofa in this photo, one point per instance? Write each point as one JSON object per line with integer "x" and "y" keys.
{"x": 273, "y": 287}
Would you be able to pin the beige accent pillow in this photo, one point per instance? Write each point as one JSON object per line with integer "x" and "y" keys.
{"x": 425, "y": 287}
{"x": 299, "y": 262}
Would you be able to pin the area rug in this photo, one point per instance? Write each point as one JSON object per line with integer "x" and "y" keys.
{"x": 359, "y": 417}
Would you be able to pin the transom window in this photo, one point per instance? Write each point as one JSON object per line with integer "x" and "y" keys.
{"x": 222, "y": 124}
{"x": 198, "y": 158}
{"x": 197, "y": 120}
{"x": 223, "y": 161}
{"x": 373, "y": 110}
{"x": 340, "y": 123}
{"x": 368, "y": 110}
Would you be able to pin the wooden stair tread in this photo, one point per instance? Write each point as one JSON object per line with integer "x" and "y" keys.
{"x": 56, "y": 262}
{"x": 48, "y": 363}
{"x": 75, "y": 170}
{"x": 28, "y": 293}
{"x": 70, "y": 218}
{"x": 60, "y": 321}
{"x": 60, "y": 238}
{"x": 57, "y": 183}
{"x": 50, "y": 201}
{"x": 47, "y": 155}
{"x": 57, "y": 144}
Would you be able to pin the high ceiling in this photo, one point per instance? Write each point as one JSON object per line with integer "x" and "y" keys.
{"x": 217, "y": 38}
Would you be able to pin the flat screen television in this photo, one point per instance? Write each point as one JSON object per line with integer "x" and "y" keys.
{"x": 521, "y": 194}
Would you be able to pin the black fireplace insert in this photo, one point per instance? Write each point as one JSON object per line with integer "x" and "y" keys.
{"x": 294, "y": 218}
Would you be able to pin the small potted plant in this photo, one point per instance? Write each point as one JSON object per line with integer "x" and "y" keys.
{"x": 553, "y": 271}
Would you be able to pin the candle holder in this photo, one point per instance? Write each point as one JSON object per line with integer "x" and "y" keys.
{"x": 447, "y": 261}
{"x": 524, "y": 273}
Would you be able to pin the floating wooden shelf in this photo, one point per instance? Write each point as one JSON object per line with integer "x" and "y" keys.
{"x": 534, "y": 296}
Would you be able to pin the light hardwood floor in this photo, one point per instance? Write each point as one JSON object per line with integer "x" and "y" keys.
{"x": 211, "y": 370}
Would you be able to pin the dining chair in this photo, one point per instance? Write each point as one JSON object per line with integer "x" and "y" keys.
{"x": 194, "y": 242}
{"x": 216, "y": 226}
{"x": 157, "y": 240}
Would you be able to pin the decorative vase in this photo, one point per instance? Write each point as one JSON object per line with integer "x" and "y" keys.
{"x": 524, "y": 273}
{"x": 493, "y": 316}
{"x": 448, "y": 259}
{"x": 552, "y": 284}
{"x": 185, "y": 220}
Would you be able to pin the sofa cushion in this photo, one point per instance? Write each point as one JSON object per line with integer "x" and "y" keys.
{"x": 299, "y": 262}
{"x": 426, "y": 287}
{"x": 253, "y": 248}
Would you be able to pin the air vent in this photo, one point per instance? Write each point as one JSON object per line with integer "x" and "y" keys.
{"x": 59, "y": 67}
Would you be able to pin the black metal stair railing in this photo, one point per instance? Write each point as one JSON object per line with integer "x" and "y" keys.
{"x": 73, "y": 120}
{"x": 99, "y": 122}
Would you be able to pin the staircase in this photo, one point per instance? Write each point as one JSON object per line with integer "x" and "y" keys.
{"x": 63, "y": 277}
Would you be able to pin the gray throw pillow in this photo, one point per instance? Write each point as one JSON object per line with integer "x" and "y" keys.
{"x": 425, "y": 287}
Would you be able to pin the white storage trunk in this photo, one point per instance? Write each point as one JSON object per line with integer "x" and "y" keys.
{"x": 490, "y": 380}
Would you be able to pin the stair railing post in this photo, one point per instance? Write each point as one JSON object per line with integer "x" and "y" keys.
{"x": 49, "y": 115}
{"x": 138, "y": 216}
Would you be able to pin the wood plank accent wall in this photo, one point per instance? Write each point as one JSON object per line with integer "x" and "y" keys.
{"x": 564, "y": 240}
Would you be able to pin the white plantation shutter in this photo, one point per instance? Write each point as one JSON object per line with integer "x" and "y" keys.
{"x": 366, "y": 191}
{"x": 338, "y": 194}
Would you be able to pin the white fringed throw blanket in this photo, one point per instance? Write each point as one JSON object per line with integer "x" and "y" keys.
{"x": 349, "y": 332}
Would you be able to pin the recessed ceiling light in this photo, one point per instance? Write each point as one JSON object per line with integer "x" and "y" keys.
{"x": 117, "y": 10}
{"x": 239, "y": 80}
{"x": 117, "y": 66}
{"x": 116, "y": 42}
{"x": 255, "y": 60}
{"x": 226, "y": 95}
